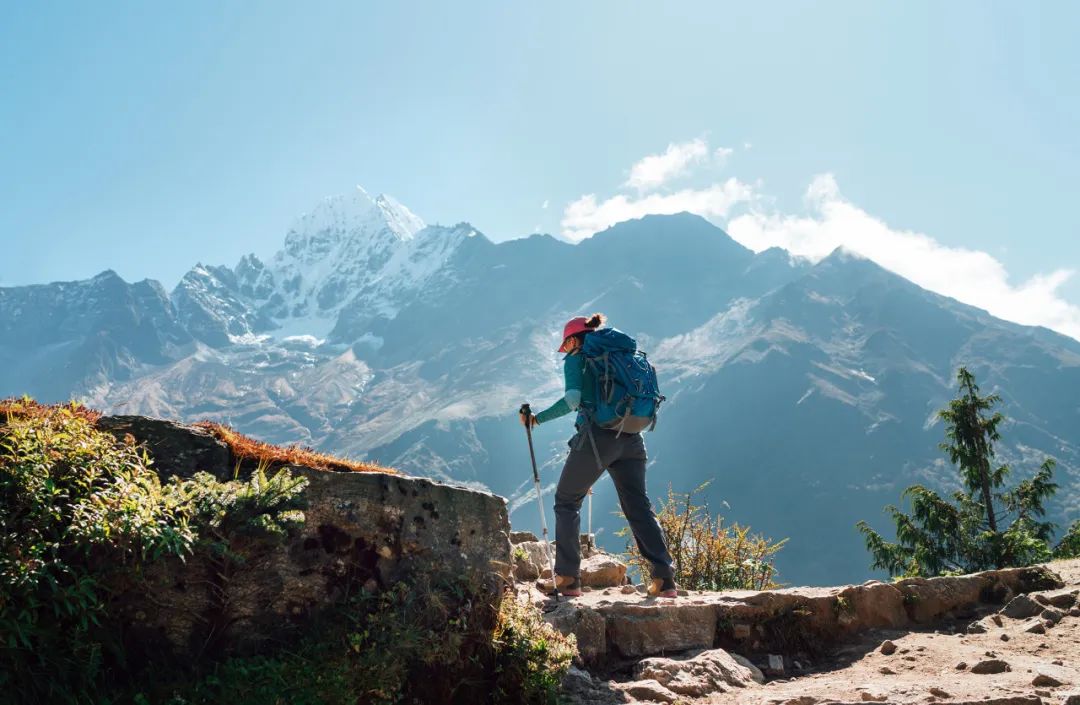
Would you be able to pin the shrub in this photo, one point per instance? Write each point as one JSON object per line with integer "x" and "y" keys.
{"x": 84, "y": 513}
{"x": 708, "y": 554}
{"x": 530, "y": 656}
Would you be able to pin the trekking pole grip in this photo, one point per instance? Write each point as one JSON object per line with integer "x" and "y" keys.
{"x": 525, "y": 410}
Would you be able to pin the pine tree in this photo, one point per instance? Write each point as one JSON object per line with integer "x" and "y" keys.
{"x": 984, "y": 526}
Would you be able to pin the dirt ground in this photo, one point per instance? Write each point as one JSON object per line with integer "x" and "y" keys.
{"x": 940, "y": 666}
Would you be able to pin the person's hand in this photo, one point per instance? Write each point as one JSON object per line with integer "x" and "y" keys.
{"x": 527, "y": 419}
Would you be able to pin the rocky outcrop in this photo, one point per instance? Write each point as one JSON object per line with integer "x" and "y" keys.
{"x": 614, "y": 628}
{"x": 362, "y": 529}
{"x": 908, "y": 642}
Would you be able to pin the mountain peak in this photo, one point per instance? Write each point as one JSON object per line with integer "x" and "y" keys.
{"x": 356, "y": 213}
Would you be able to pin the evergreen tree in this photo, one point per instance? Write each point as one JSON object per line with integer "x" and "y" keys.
{"x": 984, "y": 526}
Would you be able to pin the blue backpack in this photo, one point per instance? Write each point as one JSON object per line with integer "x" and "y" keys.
{"x": 627, "y": 394}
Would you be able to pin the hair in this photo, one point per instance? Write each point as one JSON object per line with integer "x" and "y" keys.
{"x": 595, "y": 321}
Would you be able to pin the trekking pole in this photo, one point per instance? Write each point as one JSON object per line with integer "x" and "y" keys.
{"x": 590, "y": 513}
{"x": 527, "y": 412}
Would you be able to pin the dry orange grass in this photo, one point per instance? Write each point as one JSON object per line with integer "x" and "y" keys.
{"x": 242, "y": 447}
{"x": 28, "y": 408}
{"x": 249, "y": 449}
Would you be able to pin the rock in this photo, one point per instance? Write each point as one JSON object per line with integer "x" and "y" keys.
{"x": 531, "y": 561}
{"x": 1034, "y": 626}
{"x": 587, "y": 625}
{"x": 580, "y": 688}
{"x": 649, "y": 628}
{"x": 360, "y": 528}
{"x": 977, "y": 628}
{"x": 177, "y": 449}
{"x": 886, "y": 671}
{"x": 927, "y": 599}
{"x": 648, "y": 690}
{"x": 628, "y": 590}
{"x": 1062, "y": 599}
{"x": 755, "y": 673}
{"x": 588, "y": 545}
{"x": 887, "y": 647}
{"x": 1043, "y": 680}
{"x": 990, "y": 666}
{"x": 776, "y": 665}
{"x": 939, "y": 693}
{"x": 961, "y": 666}
{"x": 997, "y": 620}
{"x": 741, "y": 631}
{"x": 1071, "y": 699}
{"x": 873, "y": 696}
{"x": 602, "y": 570}
{"x": 1074, "y": 612}
{"x": 1004, "y": 637}
{"x": 1052, "y": 614}
{"x": 874, "y": 605}
{"x": 1022, "y": 607}
{"x": 517, "y": 537}
{"x": 696, "y": 674}
{"x": 682, "y": 593}
{"x": 641, "y": 589}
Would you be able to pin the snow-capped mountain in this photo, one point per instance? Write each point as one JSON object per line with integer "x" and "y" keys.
{"x": 806, "y": 391}
{"x": 350, "y": 263}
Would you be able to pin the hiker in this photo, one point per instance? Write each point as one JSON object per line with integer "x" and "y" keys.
{"x": 608, "y": 436}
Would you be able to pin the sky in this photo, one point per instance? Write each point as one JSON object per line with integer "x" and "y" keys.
{"x": 940, "y": 139}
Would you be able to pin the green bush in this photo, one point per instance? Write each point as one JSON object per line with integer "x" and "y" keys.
{"x": 530, "y": 656}
{"x": 84, "y": 513}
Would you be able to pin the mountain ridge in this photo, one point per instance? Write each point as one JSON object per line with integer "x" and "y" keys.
{"x": 785, "y": 377}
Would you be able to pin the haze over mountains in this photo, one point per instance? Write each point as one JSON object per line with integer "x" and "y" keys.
{"x": 805, "y": 391}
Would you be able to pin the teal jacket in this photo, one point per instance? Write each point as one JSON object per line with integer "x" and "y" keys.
{"x": 580, "y": 390}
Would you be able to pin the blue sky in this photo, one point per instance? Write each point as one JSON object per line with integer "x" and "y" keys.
{"x": 145, "y": 137}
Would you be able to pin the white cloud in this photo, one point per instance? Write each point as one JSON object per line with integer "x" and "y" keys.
{"x": 545, "y": 204}
{"x": 657, "y": 169}
{"x": 971, "y": 276}
{"x": 587, "y": 215}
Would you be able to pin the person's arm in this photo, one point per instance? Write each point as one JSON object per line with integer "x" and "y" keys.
{"x": 573, "y": 369}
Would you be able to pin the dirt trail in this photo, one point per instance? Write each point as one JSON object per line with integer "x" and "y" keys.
{"x": 1004, "y": 665}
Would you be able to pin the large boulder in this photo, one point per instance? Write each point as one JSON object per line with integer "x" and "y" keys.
{"x": 361, "y": 528}
{"x": 698, "y": 673}
{"x": 644, "y": 629}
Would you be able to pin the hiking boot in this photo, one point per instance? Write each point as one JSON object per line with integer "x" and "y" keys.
{"x": 567, "y": 585}
{"x": 663, "y": 587}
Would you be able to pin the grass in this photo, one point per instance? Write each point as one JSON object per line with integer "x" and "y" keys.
{"x": 248, "y": 449}
{"x": 26, "y": 408}
{"x": 244, "y": 449}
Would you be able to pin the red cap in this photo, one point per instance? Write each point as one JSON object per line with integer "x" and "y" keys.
{"x": 573, "y": 327}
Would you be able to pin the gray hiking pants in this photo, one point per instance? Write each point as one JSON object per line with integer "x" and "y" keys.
{"x": 624, "y": 458}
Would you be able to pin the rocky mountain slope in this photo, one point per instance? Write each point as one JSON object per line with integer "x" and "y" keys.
{"x": 805, "y": 391}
